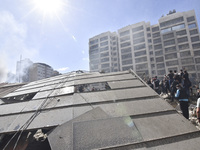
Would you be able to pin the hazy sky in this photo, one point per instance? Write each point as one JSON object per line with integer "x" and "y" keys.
{"x": 60, "y": 39}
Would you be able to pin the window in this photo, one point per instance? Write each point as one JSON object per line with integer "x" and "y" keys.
{"x": 124, "y": 33}
{"x": 196, "y": 46}
{"x": 92, "y": 87}
{"x": 151, "y": 59}
{"x": 94, "y": 61}
{"x": 114, "y": 54}
{"x": 185, "y": 54}
{"x": 159, "y": 59}
{"x": 171, "y": 22}
{"x": 104, "y": 49}
{"x": 194, "y": 39}
{"x": 94, "y": 56}
{"x": 137, "y": 41}
{"x": 105, "y": 65}
{"x": 154, "y": 29}
{"x": 148, "y": 29}
{"x": 152, "y": 66}
{"x": 187, "y": 61}
{"x": 150, "y": 47}
{"x": 93, "y": 67}
{"x": 137, "y": 28}
{"x": 95, "y": 51}
{"x": 183, "y": 47}
{"x": 170, "y": 49}
{"x": 113, "y": 38}
{"x": 167, "y": 36}
{"x": 155, "y": 41}
{"x": 189, "y": 19}
{"x": 169, "y": 42}
{"x": 192, "y": 32}
{"x": 158, "y": 53}
{"x": 197, "y": 60}
{"x": 139, "y": 60}
{"x": 104, "y": 38}
{"x": 161, "y": 72}
{"x": 104, "y": 43}
{"x": 105, "y": 59}
{"x": 198, "y": 67}
{"x": 138, "y": 47}
{"x": 125, "y": 44}
{"x": 140, "y": 53}
{"x": 141, "y": 66}
{"x": 189, "y": 68}
{"x": 191, "y": 26}
{"x": 138, "y": 35}
{"x": 149, "y": 35}
{"x": 156, "y": 35}
{"x": 94, "y": 41}
{"x": 94, "y": 47}
{"x": 126, "y": 62}
{"x": 151, "y": 53}
{"x": 172, "y": 63}
{"x": 166, "y": 30}
{"x": 126, "y": 50}
{"x": 126, "y": 38}
{"x": 178, "y": 27}
{"x": 197, "y": 53}
{"x": 170, "y": 56}
{"x": 159, "y": 66}
{"x": 149, "y": 40}
{"x": 127, "y": 68}
{"x": 126, "y": 56}
{"x": 180, "y": 33}
{"x": 183, "y": 39}
{"x": 156, "y": 47}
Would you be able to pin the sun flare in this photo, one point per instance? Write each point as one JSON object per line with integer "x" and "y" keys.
{"x": 48, "y": 7}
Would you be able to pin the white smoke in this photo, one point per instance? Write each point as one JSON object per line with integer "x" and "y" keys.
{"x": 13, "y": 35}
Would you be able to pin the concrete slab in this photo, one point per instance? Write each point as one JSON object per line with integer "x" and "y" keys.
{"x": 166, "y": 125}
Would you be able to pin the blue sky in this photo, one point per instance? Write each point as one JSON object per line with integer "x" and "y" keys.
{"x": 61, "y": 40}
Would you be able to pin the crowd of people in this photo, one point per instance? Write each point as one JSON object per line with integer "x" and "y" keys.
{"x": 175, "y": 84}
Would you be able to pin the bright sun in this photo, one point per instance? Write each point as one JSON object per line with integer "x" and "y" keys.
{"x": 48, "y": 7}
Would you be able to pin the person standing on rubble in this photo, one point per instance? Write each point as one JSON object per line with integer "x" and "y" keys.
{"x": 182, "y": 96}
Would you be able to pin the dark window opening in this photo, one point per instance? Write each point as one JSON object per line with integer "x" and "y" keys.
{"x": 19, "y": 98}
{"x": 91, "y": 87}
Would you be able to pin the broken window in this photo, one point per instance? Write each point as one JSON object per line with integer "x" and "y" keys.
{"x": 91, "y": 87}
{"x": 18, "y": 98}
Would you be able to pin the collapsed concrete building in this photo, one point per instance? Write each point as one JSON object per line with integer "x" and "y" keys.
{"x": 91, "y": 111}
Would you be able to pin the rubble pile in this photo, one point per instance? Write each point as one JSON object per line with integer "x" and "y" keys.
{"x": 192, "y": 108}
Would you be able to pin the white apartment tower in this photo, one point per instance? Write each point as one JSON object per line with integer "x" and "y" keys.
{"x": 150, "y": 50}
{"x": 103, "y": 51}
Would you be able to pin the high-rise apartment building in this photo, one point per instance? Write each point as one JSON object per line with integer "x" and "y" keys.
{"x": 153, "y": 50}
{"x": 103, "y": 51}
{"x": 40, "y": 71}
{"x": 27, "y": 71}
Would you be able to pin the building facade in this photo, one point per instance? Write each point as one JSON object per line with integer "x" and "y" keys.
{"x": 103, "y": 52}
{"x": 40, "y": 71}
{"x": 27, "y": 71}
{"x": 153, "y": 50}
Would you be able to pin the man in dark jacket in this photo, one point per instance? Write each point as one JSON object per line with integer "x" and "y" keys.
{"x": 183, "y": 100}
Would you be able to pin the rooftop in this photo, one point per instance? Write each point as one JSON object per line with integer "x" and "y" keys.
{"x": 92, "y": 111}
